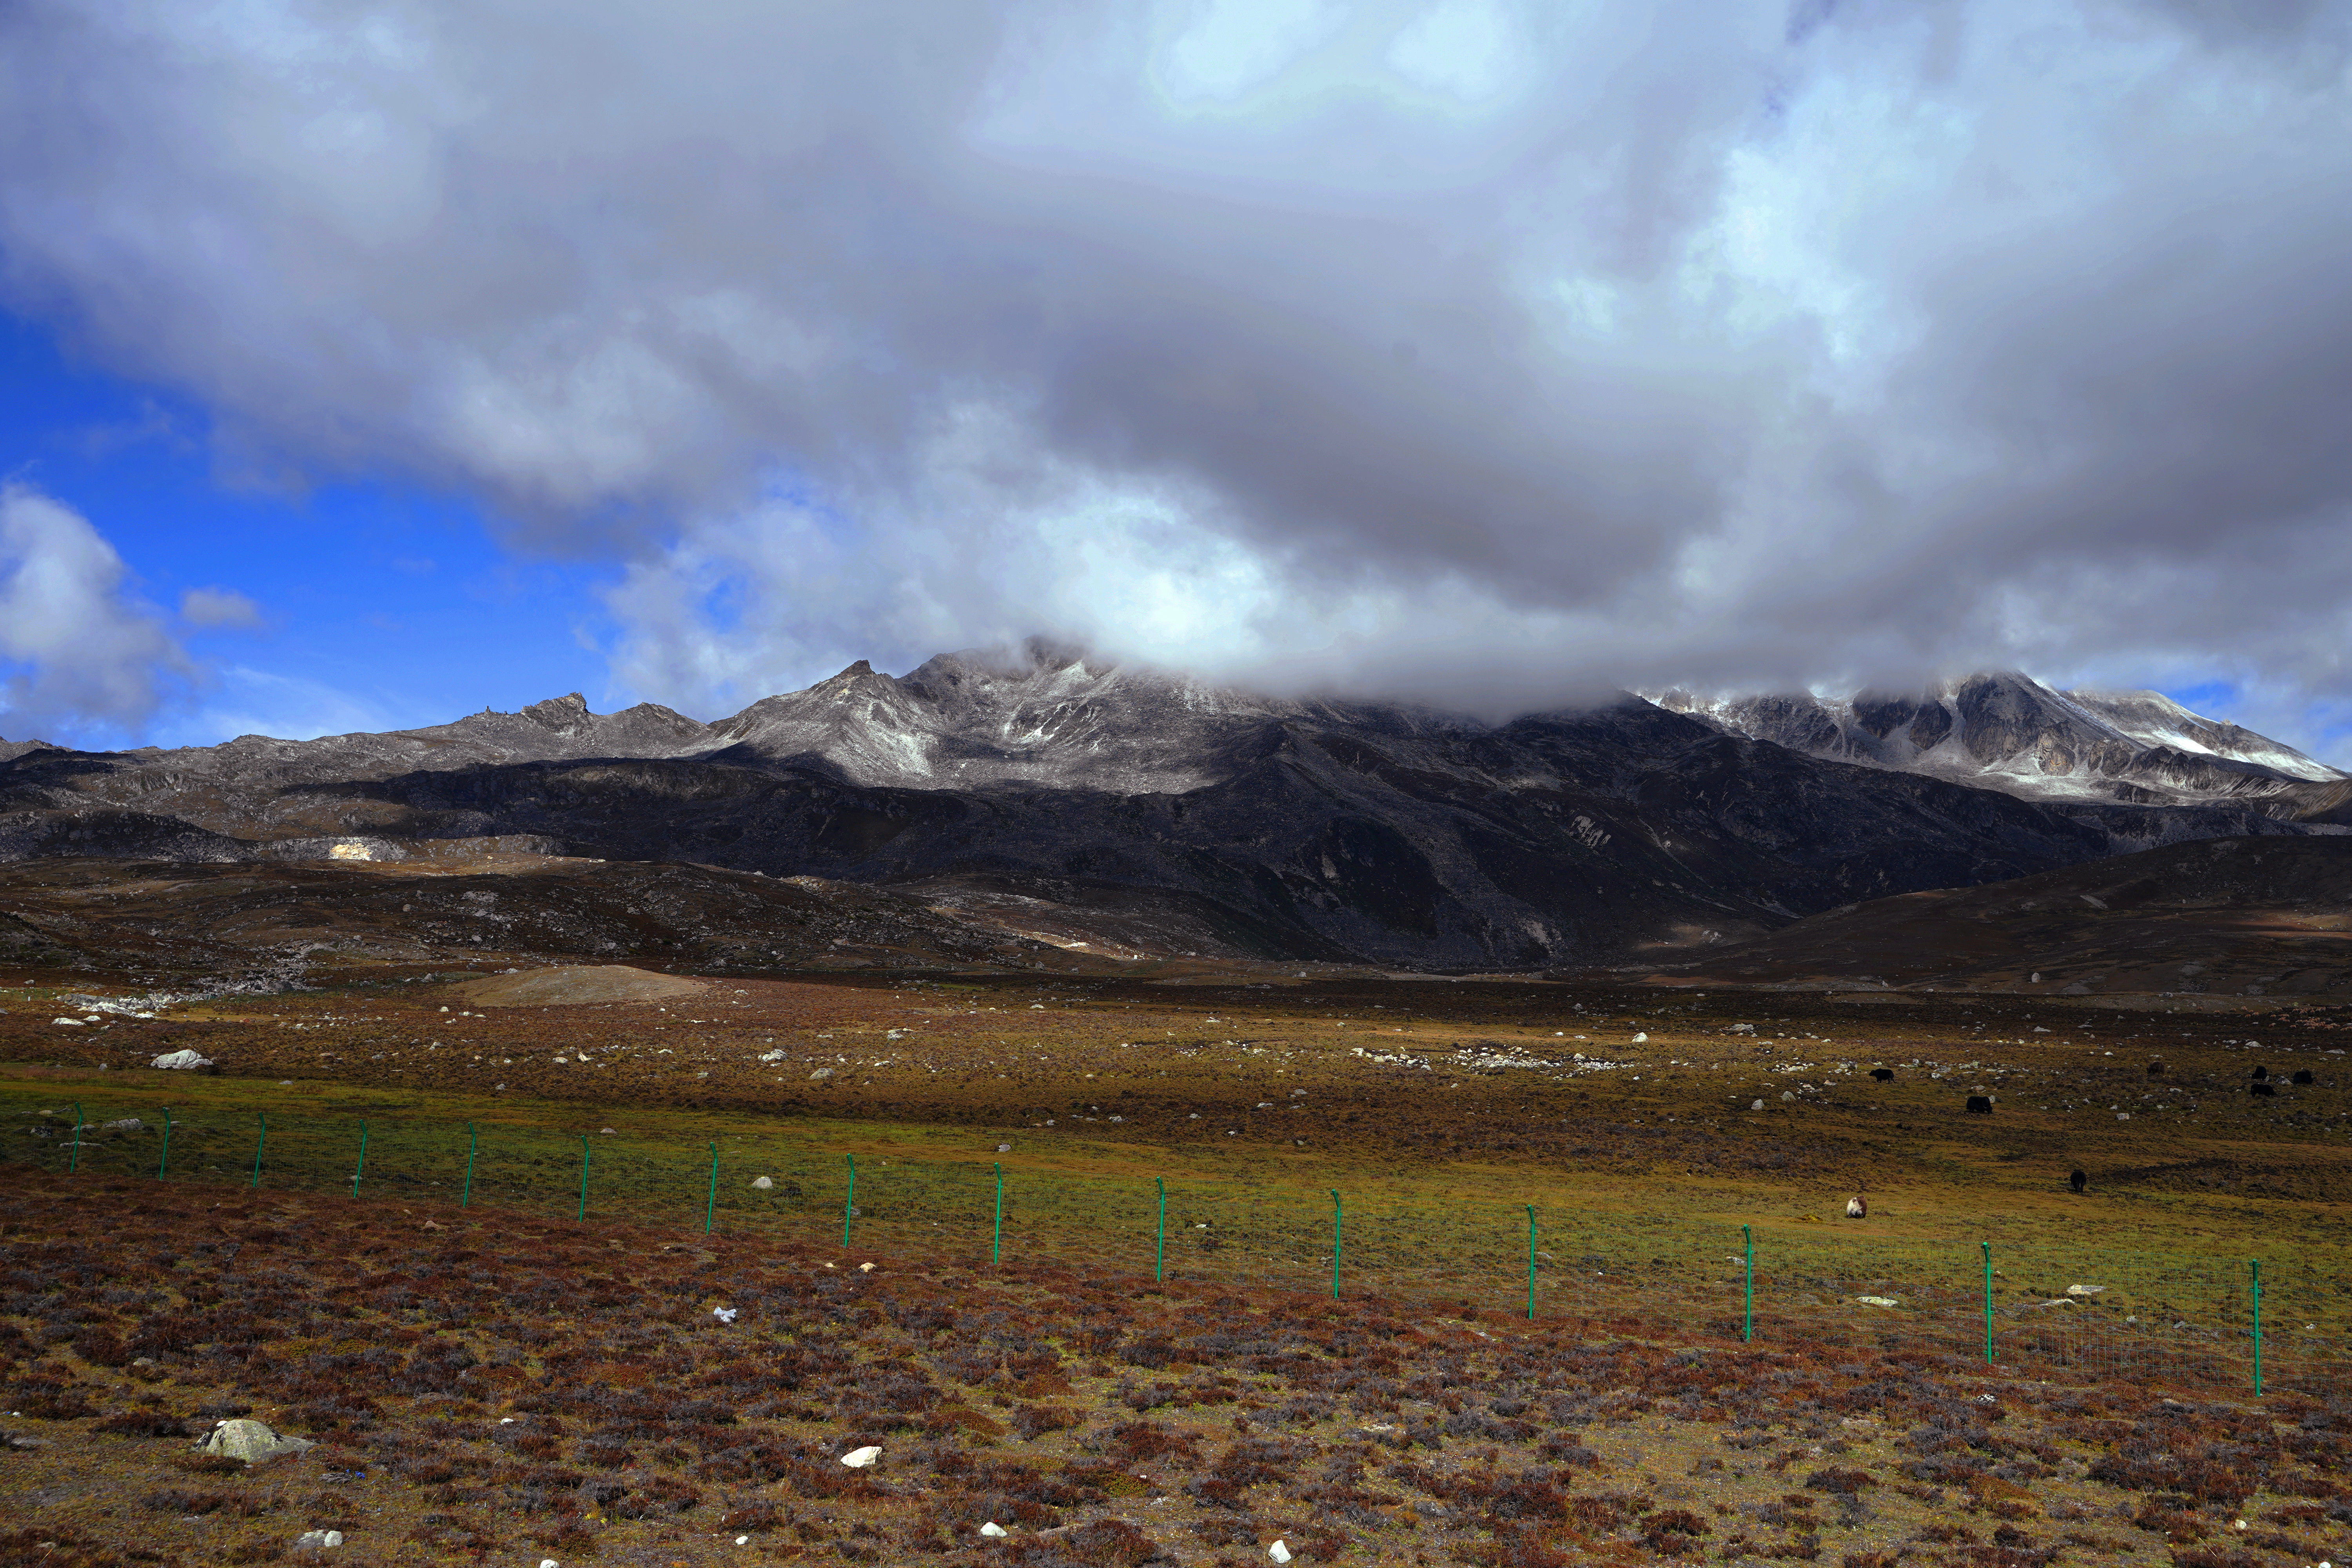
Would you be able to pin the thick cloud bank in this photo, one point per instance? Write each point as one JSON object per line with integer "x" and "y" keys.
{"x": 1477, "y": 350}
{"x": 76, "y": 649}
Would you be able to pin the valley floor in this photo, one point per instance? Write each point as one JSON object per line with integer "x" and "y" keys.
{"x": 490, "y": 1376}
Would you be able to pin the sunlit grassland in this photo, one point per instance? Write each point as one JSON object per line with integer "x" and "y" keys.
{"x": 1662, "y": 1252}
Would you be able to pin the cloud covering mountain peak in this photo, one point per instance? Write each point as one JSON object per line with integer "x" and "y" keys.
{"x": 1467, "y": 351}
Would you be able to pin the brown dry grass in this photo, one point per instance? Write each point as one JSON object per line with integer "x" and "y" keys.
{"x": 497, "y": 1389}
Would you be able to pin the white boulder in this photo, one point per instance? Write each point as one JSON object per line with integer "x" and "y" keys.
{"x": 858, "y": 1459}
{"x": 181, "y": 1061}
{"x": 251, "y": 1441}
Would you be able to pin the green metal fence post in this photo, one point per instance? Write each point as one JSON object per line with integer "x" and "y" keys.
{"x": 1531, "y": 1263}
{"x": 1159, "y": 1237}
{"x": 2254, "y": 1276}
{"x": 259, "y": 1142}
{"x": 1339, "y": 1238}
{"x": 473, "y": 1142}
{"x": 165, "y": 1163}
{"x": 1747, "y": 1306}
{"x": 1988, "y": 1299}
{"x": 582, "y": 1216}
{"x": 711, "y": 1209}
{"x": 849, "y": 1202}
{"x": 996, "y": 1239}
{"x": 361, "y": 1165}
{"x": 73, "y": 1155}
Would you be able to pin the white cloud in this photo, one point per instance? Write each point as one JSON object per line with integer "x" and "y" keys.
{"x": 1465, "y": 47}
{"x": 1479, "y": 349}
{"x": 214, "y": 608}
{"x": 76, "y": 650}
{"x": 238, "y": 699}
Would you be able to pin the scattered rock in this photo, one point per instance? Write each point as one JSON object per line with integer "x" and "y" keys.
{"x": 253, "y": 1442}
{"x": 181, "y": 1061}
{"x": 1638, "y": 1040}
{"x": 820, "y": 1074}
{"x": 1756, "y": 1105}
{"x": 725, "y": 1314}
{"x": 319, "y": 1540}
{"x": 764, "y": 1183}
{"x": 858, "y": 1459}
{"x": 2085, "y": 1289}
{"x": 995, "y": 1531}
{"x": 1279, "y": 1552}
{"x": 1878, "y": 1301}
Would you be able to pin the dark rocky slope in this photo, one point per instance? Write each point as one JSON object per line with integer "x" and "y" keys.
{"x": 1281, "y": 828}
{"x": 2224, "y": 917}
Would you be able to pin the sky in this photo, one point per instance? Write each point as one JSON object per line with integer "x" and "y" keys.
{"x": 367, "y": 363}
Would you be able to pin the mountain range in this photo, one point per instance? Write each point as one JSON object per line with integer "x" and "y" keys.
{"x": 2010, "y": 733}
{"x": 1213, "y": 820}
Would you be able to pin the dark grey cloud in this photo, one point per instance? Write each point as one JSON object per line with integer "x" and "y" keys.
{"x": 1477, "y": 350}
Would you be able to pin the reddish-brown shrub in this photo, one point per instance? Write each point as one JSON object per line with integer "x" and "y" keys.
{"x": 144, "y": 1424}
{"x": 55, "y": 1546}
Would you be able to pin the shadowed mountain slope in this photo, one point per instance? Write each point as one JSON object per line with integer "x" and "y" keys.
{"x": 1273, "y": 827}
{"x": 2238, "y": 917}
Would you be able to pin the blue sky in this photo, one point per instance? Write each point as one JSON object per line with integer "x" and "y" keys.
{"x": 1489, "y": 353}
{"x": 377, "y": 605}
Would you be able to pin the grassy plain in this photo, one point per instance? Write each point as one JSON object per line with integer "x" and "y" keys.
{"x": 1437, "y": 1110}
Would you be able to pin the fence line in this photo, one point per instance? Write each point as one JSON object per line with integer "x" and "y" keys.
{"x": 2173, "y": 1316}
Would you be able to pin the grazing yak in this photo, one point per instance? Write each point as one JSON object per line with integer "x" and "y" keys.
{"x": 2078, "y": 1181}
{"x": 1884, "y": 1075}
{"x": 2303, "y": 1075}
{"x": 1980, "y": 1105}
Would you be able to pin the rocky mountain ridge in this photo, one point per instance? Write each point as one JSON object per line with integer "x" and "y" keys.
{"x": 2010, "y": 733}
{"x": 1265, "y": 826}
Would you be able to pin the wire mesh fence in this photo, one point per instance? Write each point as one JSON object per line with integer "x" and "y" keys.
{"x": 2174, "y": 1316}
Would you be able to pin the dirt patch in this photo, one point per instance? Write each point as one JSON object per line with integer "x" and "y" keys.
{"x": 579, "y": 985}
